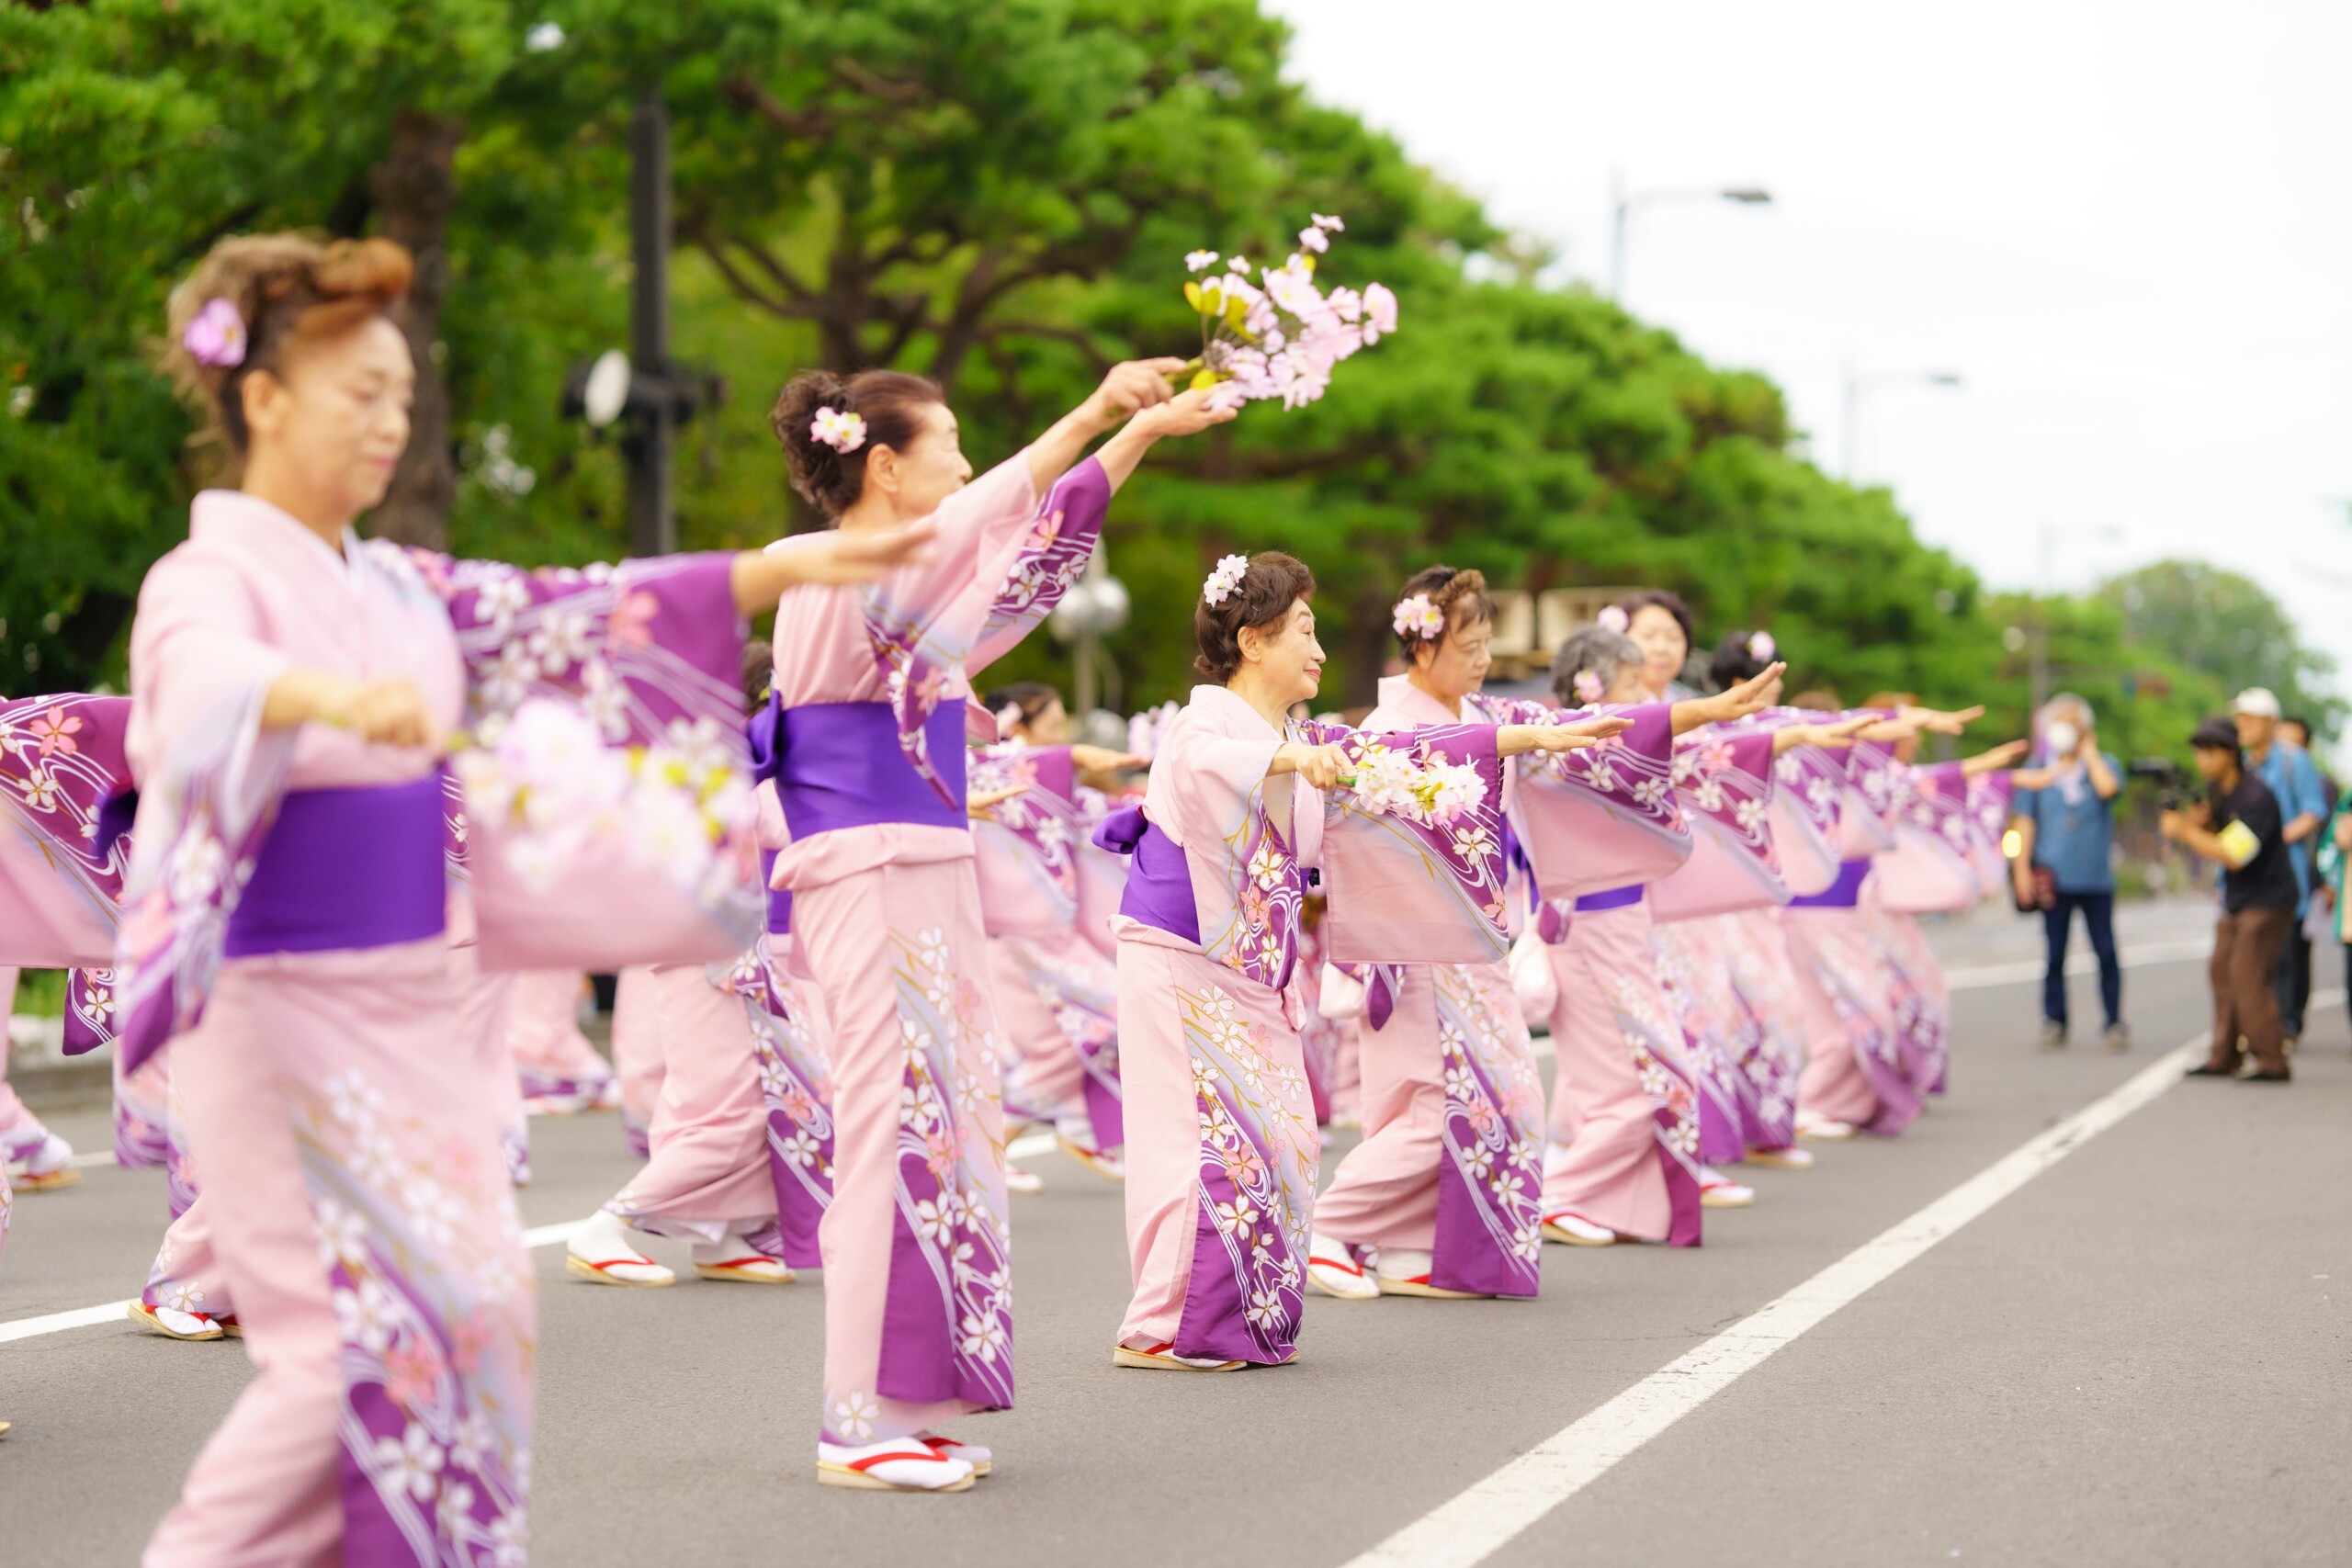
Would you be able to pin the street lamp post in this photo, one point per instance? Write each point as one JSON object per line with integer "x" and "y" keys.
{"x": 1857, "y": 383}
{"x": 1624, "y": 204}
{"x": 652, "y": 440}
{"x": 1096, "y": 605}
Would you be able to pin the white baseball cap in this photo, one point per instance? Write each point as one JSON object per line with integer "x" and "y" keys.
{"x": 2257, "y": 700}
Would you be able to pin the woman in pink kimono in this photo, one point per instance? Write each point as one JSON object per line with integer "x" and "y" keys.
{"x": 1624, "y": 1164}
{"x": 1057, "y": 993}
{"x": 284, "y": 915}
{"x": 1222, "y": 1148}
{"x": 1865, "y": 1067}
{"x": 1452, "y": 1094}
{"x": 740, "y": 1136}
{"x": 869, "y": 706}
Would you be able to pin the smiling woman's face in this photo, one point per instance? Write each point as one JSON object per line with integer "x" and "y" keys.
{"x": 1284, "y": 655}
{"x": 1664, "y": 647}
{"x": 1457, "y": 666}
{"x": 337, "y": 416}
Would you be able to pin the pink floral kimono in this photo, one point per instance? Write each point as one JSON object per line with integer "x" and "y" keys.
{"x": 1056, "y": 991}
{"x": 61, "y": 760}
{"x": 1724, "y": 779}
{"x": 869, "y": 716}
{"x": 1222, "y": 1146}
{"x": 286, "y": 919}
{"x": 1855, "y": 1073}
{"x": 742, "y": 1134}
{"x": 558, "y": 1068}
{"x": 1453, "y": 1153}
{"x": 1599, "y": 824}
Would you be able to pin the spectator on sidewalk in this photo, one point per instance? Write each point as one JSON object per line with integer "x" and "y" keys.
{"x": 2303, "y": 804}
{"x": 2240, "y": 826}
{"x": 2065, "y": 824}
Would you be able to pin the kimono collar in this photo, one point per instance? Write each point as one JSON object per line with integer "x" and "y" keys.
{"x": 1231, "y": 713}
{"x": 1400, "y": 695}
{"x": 236, "y": 517}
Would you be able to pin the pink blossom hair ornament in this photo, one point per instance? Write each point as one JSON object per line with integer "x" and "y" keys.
{"x": 1418, "y": 619}
{"x": 1589, "y": 687}
{"x": 844, "y": 433}
{"x": 1762, "y": 648}
{"x": 217, "y": 335}
{"x": 1222, "y": 582}
{"x": 1613, "y": 617}
{"x": 1008, "y": 719}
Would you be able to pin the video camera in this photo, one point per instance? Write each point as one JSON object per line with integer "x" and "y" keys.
{"x": 2173, "y": 790}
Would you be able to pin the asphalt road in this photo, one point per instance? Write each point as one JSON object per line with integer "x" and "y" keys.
{"x": 2138, "y": 1358}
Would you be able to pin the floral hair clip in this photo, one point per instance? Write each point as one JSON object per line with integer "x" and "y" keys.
{"x": 1418, "y": 620}
{"x": 1225, "y": 580}
{"x": 1008, "y": 718}
{"x": 1613, "y": 617}
{"x": 216, "y": 337}
{"x": 1589, "y": 687}
{"x": 1762, "y": 647}
{"x": 844, "y": 433}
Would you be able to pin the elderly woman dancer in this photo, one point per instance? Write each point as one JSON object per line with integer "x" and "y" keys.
{"x": 286, "y": 910}
{"x": 1222, "y": 1146}
{"x": 1451, "y": 1089}
{"x": 1624, "y": 1164}
{"x": 870, "y": 695}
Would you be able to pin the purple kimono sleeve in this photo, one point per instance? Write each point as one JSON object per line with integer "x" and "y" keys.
{"x": 1724, "y": 782}
{"x": 1605, "y": 817}
{"x": 1404, "y": 890}
{"x": 1932, "y": 866}
{"x": 61, "y": 872}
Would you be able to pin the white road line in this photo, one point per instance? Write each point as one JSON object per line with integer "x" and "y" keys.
{"x": 1480, "y": 1521}
{"x": 2081, "y": 964}
{"x": 58, "y": 1322}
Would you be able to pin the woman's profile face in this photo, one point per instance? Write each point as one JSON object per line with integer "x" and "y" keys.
{"x": 1664, "y": 647}
{"x": 1286, "y": 655}
{"x": 930, "y": 469}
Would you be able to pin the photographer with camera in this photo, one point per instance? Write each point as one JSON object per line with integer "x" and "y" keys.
{"x": 2240, "y": 826}
{"x": 2065, "y": 817}
{"x": 2304, "y": 806}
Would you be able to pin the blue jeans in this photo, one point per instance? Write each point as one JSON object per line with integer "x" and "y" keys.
{"x": 2098, "y": 918}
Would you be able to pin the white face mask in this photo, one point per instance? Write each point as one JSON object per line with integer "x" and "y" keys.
{"x": 2062, "y": 737}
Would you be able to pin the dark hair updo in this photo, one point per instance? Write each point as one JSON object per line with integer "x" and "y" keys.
{"x": 288, "y": 289}
{"x": 1735, "y": 661}
{"x": 1459, "y": 596}
{"x": 1272, "y": 585}
{"x": 889, "y": 402}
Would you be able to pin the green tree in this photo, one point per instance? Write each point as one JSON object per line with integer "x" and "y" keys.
{"x": 2223, "y": 624}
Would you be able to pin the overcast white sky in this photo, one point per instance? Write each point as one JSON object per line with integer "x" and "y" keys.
{"x": 2126, "y": 226}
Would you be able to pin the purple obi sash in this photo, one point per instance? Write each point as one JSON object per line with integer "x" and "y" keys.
{"x": 1615, "y": 898}
{"x": 346, "y": 868}
{"x": 779, "y": 898}
{"x": 1842, "y": 893}
{"x": 839, "y": 765}
{"x": 1160, "y": 879}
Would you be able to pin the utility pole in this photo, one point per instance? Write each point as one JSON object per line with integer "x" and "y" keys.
{"x": 651, "y": 443}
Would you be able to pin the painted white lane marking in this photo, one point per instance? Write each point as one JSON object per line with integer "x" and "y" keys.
{"x": 1982, "y": 974}
{"x": 58, "y": 1322}
{"x": 1480, "y": 1521}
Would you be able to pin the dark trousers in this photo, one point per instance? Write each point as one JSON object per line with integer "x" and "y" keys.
{"x": 2098, "y": 918}
{"x": 2246, "y": 997}
{"x": 2293, "y": 981}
